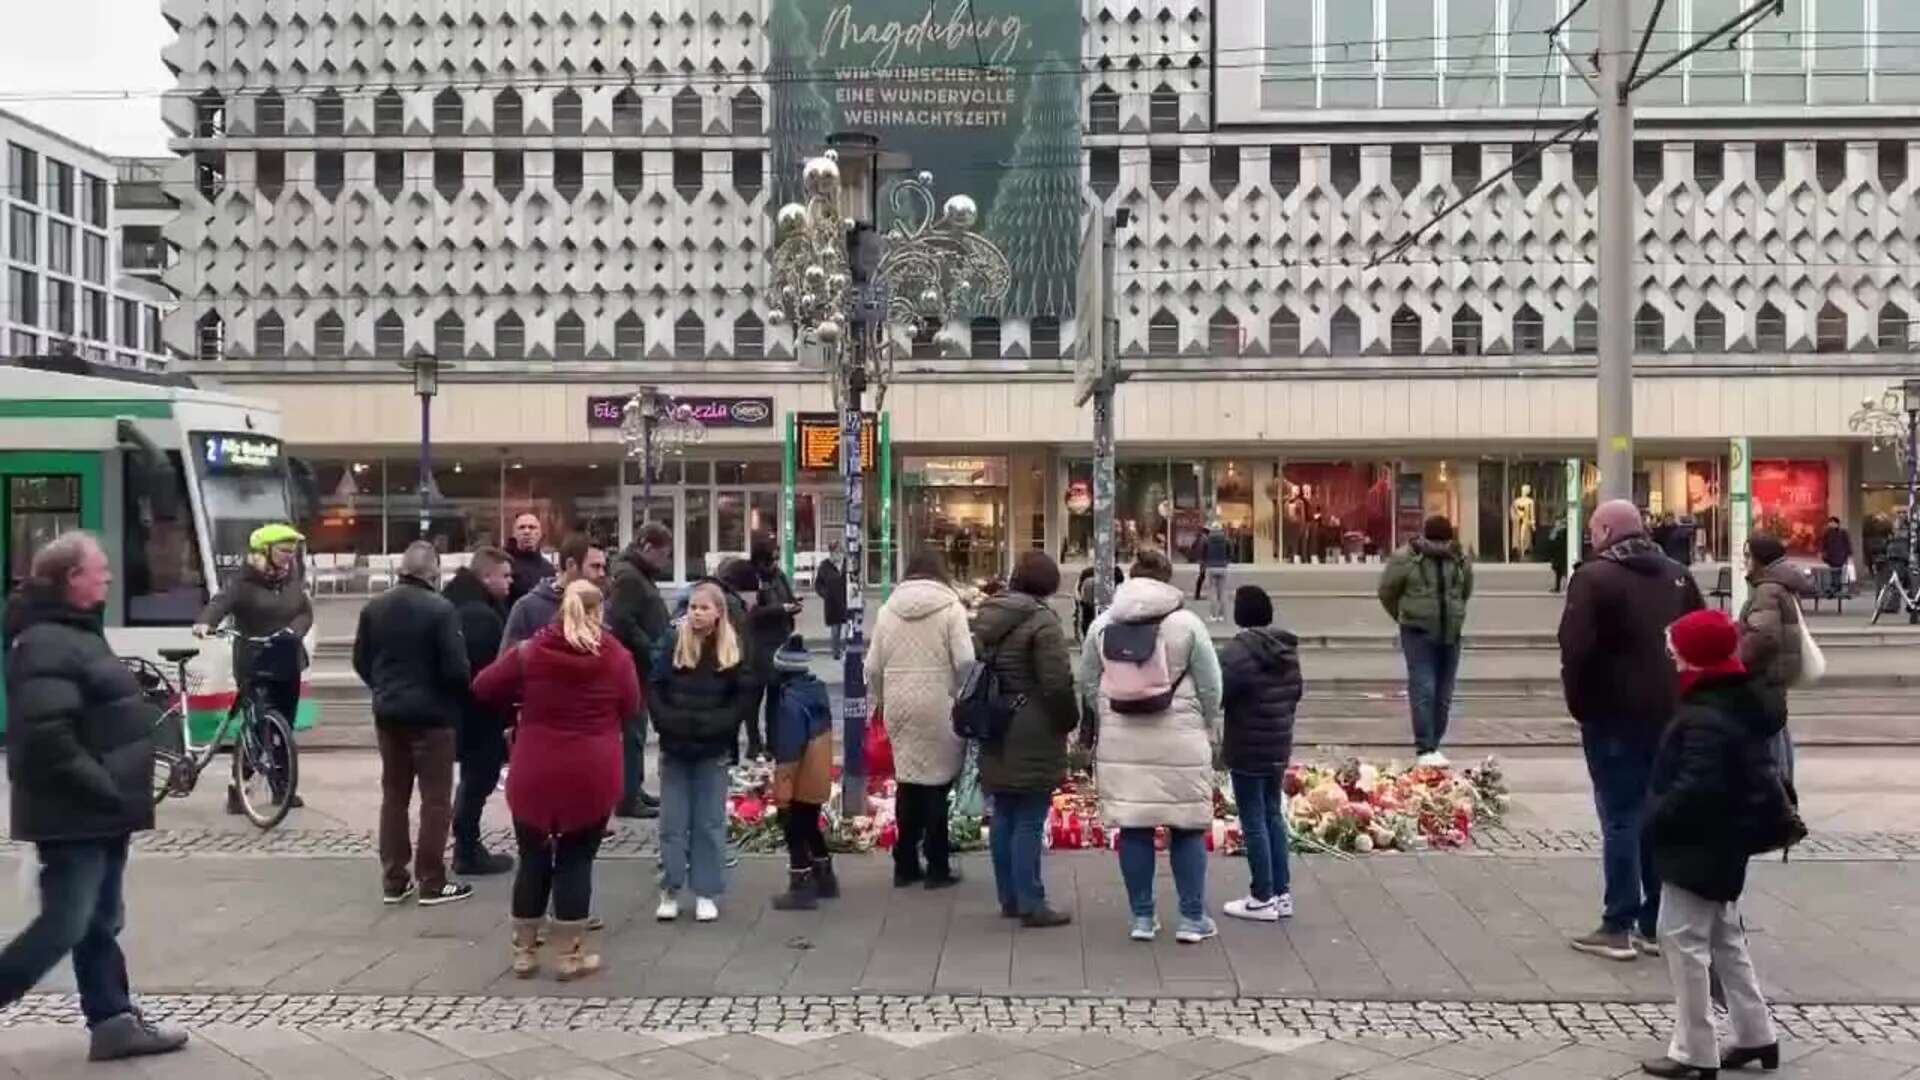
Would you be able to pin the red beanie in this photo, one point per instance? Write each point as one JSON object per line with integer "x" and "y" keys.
{"x": 1704, "y": 639}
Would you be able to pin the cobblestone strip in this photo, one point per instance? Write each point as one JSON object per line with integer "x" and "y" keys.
{"x": 1874, "y": 846}
{"x": 1277, "y": 1017}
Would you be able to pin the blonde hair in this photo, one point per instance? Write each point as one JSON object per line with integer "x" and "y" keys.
{"x": 580, "y": 616}
{"x": 726, "y": 643}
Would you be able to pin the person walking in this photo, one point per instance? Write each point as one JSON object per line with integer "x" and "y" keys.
{"x": 1260, "y": 690}
{"x": 830, "y": 582}
{"x": 1149, "y": 670}
{"x": 1714, "y": 782}
{"x": 478, "y": 593}
{"x": 770, "y": 623}
{"x": 1022, "y": 638}
{"x": 1620, "y": 687}
{"x": 696, "y": 687}
{"x": 410, "y": 653}
{"x": 1557, "y": 553}
{"x": 80, "y": 766}
{"x": 580, "y": 560}
{"x": 638, "y": 617}
{"x": 1836, "y": 550}
{"x": 1216, "y": 554}
{"x": 802, "y": 740}
{"x": 920, "y": 646}
{"x": 576, "y": 688}
{"x": 1770, "y": 630}
{"x": 530, "y": 565}
{"x": 1426, "y": 589}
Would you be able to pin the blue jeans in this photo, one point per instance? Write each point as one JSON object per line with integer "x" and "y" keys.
{"x": 837, "y": 634}
{"x": 1431, "y": 669}
{"x": 82, "y": 908}
{"x": 1621, "y": 773}
{"x": 633, "y": 758}
{"x": 693, "y": 825}
{"x": 1264, "y": 827}
{"x": 1019, "y": 824}
{"x": 1186, "y": 850}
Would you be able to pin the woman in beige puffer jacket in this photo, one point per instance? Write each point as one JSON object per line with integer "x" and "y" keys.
{"x": 921, "y": 645}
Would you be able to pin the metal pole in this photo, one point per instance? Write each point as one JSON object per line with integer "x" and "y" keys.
{"x": 853, "y": 785}
{"x": 1617, "y": 212}
{"x": 1913, "y": 500}
{"x": 426, "y": 461}
{"x": 1103, "y": 481}
{"x": 646, "y": 456}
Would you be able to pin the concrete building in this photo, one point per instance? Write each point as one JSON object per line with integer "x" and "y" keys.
{"x": 571, "y": 197}
{"x": 63, "y": 290}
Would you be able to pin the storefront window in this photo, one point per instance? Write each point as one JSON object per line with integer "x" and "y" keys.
{"x": 958, "y": 505}
{"x": 1790, "y": 503}
{"x": 568, "y": 498}
{"x": 1142, "y": 508}
{"x": 1233, "y": 505}
{"x": 1331, "y": 511}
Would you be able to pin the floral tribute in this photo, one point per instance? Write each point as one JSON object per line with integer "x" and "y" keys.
{"x": 753, "y": 824}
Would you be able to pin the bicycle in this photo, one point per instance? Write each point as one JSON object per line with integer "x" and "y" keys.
{"x": 1900, "y": 593}
{"x": 266, "y": 760}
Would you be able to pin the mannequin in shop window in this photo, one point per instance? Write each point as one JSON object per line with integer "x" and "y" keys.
{"x": 1524, "y": 514}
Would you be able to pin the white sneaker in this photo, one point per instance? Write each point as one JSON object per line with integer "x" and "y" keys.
{"x": 1284, "y": 905}
{"x": 705, "y": 910}
{"x": 1432, "y": 760}
{"x": 1254, "y": 910}
{"x": 669, "y": 908}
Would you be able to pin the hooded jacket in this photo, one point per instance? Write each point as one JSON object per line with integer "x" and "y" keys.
{"x": 1716, "y": 752}
{"x": 636, "y": 613}
{"x": 79, "y": 731}
{"x": 482, "y": 622}
{"x": 1028, "y": 649}
{"x": 1770, "y": 625}
{"x": 1426, "y": 587}
{"x": 1157, "y": 768}
{"x": 410, "y": 653}
{"x": 261, "y": 605}
{"x": 532, "y": 613}
{"x": 921, "y": 644}
{"x": 1260, "y": 691}
{"x": 1614, "y": 668}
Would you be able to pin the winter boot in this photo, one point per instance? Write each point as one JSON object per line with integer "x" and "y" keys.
{"x": 825, "y": 881}
{"x": 526, "y": 946}
{"x": 577, "y": 958}
{"x": 802, "y": 893}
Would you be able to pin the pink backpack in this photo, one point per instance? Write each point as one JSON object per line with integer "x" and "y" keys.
{"x": 1134, "y": 676}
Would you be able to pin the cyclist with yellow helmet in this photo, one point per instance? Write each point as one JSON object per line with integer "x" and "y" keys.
{"x": 266, "y": 601}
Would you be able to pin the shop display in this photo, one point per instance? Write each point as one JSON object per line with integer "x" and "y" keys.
{"x": 1523, "y": 514}
{"x": 1335, "y": 511}
{"x": 1790, "y": 503}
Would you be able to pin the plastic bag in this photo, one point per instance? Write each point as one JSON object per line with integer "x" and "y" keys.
{"x": 967, "y": 799}
{"x": 877, "y": 752}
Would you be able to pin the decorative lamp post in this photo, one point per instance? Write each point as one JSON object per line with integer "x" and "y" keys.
{"x": 856, "y": 294}
{"x": 427, "y": 369}
{"x": 656, "y": 426}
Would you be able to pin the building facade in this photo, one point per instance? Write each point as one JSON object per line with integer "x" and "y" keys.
{"x": 64, "y": 290}
{"x": 571, "y": 197}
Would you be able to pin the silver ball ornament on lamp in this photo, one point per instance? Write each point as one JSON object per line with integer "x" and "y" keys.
{"x": 776, "y": 317}
{"x": 815, "y": 275}
{"x": 828, "y": 331}
{"x": 949, "y": 343}
{"x": 791, "y": 219}
{"x": 925, "y": 177}
{"x": 962, "y": 211}
{"x": 821, "y": 177}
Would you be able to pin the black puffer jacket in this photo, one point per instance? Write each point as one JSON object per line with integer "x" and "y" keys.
{"x": 1029, "y": 653}
{"x": 635, "y": 611}
{"x": 530, "y": 568}
{"x": 411, "y": 654}
{"x": 79, "y": 732}
{"x": 482, "y": 621}
{"x": 1614, "y": 668}
{"x": 698, "y": 711}
{"x": 1715, "y": 753}
{"x": 1260, "y": 690}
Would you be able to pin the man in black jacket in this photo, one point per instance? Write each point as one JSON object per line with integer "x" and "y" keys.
{"x": 830, "y": 582}
{"x": 770, "y": 623}
{"x": 80, "y": 762}
{"x": 410, "y": 653}
{"x": 1260, "y": 691}
{"x": 638, "y": 618}
{"x": 1620, "y": 688}
{"x": 478, "y": 593}
{"x": 530, "y": 567}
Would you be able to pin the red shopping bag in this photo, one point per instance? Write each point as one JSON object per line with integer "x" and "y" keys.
{"x": 877, "y": 751}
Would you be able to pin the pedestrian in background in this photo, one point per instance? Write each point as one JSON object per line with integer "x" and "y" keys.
{"x": 580, "y": 560}
{"x": 576, "y": 688}
{"x": 741, "y": 584}
{"x": 1022, "y": 638}
{"x": 802, "y": 740}
{"x": 921, "y": 644}
{"x": 1260, "y": 692}
{"x": 695, "y": 692}
{"x": 1620, "y": 688}
{"x": 1557, "y": 553}
{"x": 1836, "y": 550}
{"x": 1770, "y": 630}
{"x": 637, "y": 615}
{"x": 769, "y": 624}
{"x": 478, "y": 593}
{"x": 530, "y": 565}
{"x": 1216, "y": 554}
{"x": 1714, "y": 785}
{"x": 830, "y": 582}
{"x": 1426, "y": 589}
{"x": 410, "y": 653}
{"x": 80, "y": 766}
{"x": 1150, "y": 671}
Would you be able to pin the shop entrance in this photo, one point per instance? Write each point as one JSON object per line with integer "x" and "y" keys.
{"x": 958, "y": 506}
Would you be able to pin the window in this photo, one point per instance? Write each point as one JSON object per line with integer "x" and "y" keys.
{"x": 23, "y": 165}
{"x": 1403, "y": 167}
{"x": 1894, "y": 335}
{"x": 1404, "y": 332}
{"x": 24, "y": 287}
{"x": 1283, "y": 169}
{"x": 749, "y": 337}
{"x": 986, "y": 338}
{"x": 329, "y": 114}
{"x": 1044, "y": 338}
{"x": 270, "y": 337}
{"x": 390, "y": 337}
{"x": 270, "y": 173}
{"x": 1709, "y": 165}
{"x": 1163, "y": 334}
{"x": 749, "y": 172}
{"x": 1709, "y": 330}
{"x": 509, "y": 337}
{"x": 449, "y": 113}
{"x": 1649, "y": 330}
{"x": 1466, "y": 167}
{"x": 1769, "y": 164}
{"x": 93, "y": 308}
{"x": 449, "y": 337}
{"x": 209, "y": 337}
{"x": 509, "y": 173}
{"x": 566, "y": 114}
{"x": 629, "y": 173}
{"x": 1345, "y": 163}
{"x": 1529, "y": 332}
{"x": 151, "y": 317}
{"x": 1770, "y": 329}
{"x": 95, "y": 206}
{"x": 1223, "y": 168}
{"x": 1283, "y": 333}
{"x": 330, "y": 336}
{"x": 1163, "y": 109}
{"x": 329, "y": 173}
{"x": 509, "y": 116}
{"x": 1830, "y": 330}
{"x": 25, "y": 344}
{"x": 1526, "y": 167}
{"x": 210, "y": 175}
{"x": 1163, "y": 169}
{"x": 1103, "y": 170}
{"x": 449, "y": 172}
{"x": 1893, "y": 164}
{"x": 1586, "y": 166}
{"x": 23, "y": 240}
{"x": 1830, "y": 163}
{"x": 389, "y": 113}
{"x": 59, "y": 247}
{"x": 689, "y": 337}
{"x": 749, "y": 114}
{"x": 1586, "y": 329}
{"x": 686, "y": 173}
{"x": 270, "y": 115}
{"x": 1648, "y": 168}
{"x": 60, "y": 187}
{"x": 925, "y": 345}
{"x": 569, "y": 337}
{"x": 1343, "y": 338}
{"x": 688, "y": 112}
{"x": 93, "y": 258}
{"x": 209, "y": 115}
{"x": 629, "y": 114}
{"x": 630, "y": 337}
{"x": 389, "y": 173}
{"x": 158, "y": 560}
{"x": 569, "y": 174}
{"x": 1103, "y": 111}
{"x": 1223, "y": 334}
{"x": 1466, "y": 332}
{"x": 126, "y": 323}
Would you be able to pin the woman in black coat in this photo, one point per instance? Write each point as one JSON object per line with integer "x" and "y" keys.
{"x": 831, "y": 583}
{"x": 1261, "y": 688}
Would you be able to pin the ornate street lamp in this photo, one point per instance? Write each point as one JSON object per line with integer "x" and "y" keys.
{"x": 656, "y": 426}
{"x": 857, "y": 295}
{"x": 1894, "y": 422}
{"x": 427, "y": 369}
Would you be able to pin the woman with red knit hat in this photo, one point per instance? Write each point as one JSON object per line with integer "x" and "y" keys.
{"x": 1715, "y": 788}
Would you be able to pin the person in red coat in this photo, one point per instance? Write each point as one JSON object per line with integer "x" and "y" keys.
{"x": 575, "y": 685}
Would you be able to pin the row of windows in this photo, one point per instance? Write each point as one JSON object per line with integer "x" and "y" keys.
{"x": 24, "y": 245}
{"x": 64, "y": 190}
{"x": 450, "y": 113}
{"x": 1405, "y": 336}
{"x": 63, "y": 308}
{"x": 390, "y": 179}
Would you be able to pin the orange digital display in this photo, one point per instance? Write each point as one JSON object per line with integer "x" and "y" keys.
{"x": 817, "y": 438}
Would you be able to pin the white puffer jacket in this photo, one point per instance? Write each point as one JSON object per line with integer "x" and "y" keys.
{"x": 921, "y": 644}
{"x": 1157, "y": 769}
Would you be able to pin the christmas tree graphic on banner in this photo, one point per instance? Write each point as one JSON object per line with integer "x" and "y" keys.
{"x": 802, "y": 115}
{"x": 1035, "y": 217}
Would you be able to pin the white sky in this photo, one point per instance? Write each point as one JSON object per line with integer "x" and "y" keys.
{"x": 54, "y": 48}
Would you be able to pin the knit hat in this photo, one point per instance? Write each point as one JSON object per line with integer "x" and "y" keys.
{"x": 1705, "y": 640}
{"x": 739, "y": 576}
{"x": 1252, "y": 607}
{"x": 1614, "y": 521}
{"x": 793, "y": 656}
{"x": 1766, "y": 550}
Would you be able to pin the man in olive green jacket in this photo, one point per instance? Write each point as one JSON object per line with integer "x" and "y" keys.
{"x": 1426, "y": 589}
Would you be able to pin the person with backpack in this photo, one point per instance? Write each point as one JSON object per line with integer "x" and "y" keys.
{"x": 921, "y": 646}
{"x": 1717, "y": 798}
{"x": 1021, "y": 641}
{"x": 1150, "y": 671}
{"x": 1261, "y": 688}
{"x": 802, "y": 739}
{"x": 1426, "y": 588}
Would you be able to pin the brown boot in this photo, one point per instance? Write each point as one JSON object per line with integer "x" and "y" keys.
{"x": 526, "y": 946}
{"x": 577, "y": 959}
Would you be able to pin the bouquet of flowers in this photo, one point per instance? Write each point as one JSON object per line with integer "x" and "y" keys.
{"x": 1356, "y": 807}
{"x": 753, "y": 825}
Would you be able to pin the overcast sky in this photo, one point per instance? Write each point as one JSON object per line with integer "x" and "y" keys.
{"x": 55, "y": 48}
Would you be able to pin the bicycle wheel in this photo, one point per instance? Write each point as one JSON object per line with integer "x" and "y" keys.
{"x": 266, "y": 768}
{"x": 171, "y": 765}
{"x": 1888, "y": 594}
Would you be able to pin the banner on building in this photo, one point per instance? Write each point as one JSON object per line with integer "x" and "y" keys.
{"x": 985, "y": 94}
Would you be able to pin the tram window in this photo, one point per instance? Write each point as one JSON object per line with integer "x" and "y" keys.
{"x": 164, "y": 582}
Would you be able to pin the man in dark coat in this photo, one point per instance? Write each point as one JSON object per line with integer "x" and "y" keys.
{"x": 478, "y": 593}
{"x": 80, "y": 760}
{"x": 1260, "y": 691}
{"x": 1620, "y": 687}
{"x": 530, "y": 566}
{"x": 409, "y": 652}
{"x": 770, "y": 623}
{"x": 638, "y": 618}
{"x": 830, "y": 582}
